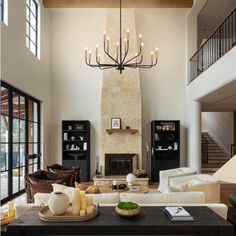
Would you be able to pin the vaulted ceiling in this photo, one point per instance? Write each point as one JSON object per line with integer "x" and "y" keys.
{"x": 115, "y": 3}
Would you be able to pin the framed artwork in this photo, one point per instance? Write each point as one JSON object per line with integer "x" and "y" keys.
{"x": 115, "y": 123}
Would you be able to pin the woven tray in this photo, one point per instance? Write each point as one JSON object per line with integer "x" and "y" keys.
{"x": 46, "y": 215}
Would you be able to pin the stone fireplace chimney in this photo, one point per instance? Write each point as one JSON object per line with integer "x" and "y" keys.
{"x": 121, "y": 95}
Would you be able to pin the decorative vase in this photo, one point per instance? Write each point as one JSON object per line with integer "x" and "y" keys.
{"x": 130, "y": 178}
{"x": 58, "y": 203}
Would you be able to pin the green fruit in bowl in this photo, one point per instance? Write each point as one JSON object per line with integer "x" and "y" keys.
{"x": 127, "y": 209}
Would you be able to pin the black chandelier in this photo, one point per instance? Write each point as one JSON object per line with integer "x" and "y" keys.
{"x": 120, "y": 60}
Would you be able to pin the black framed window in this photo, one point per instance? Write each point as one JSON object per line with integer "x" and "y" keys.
{"x": 20, "y": 136}
{"x": 32, "y": 28}
{"x": 2, "y": 9}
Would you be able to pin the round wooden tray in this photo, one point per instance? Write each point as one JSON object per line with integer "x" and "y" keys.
{"x": 46, "y": 215}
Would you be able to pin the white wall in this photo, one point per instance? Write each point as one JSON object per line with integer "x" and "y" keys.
{"x": 76, "y": 88}
{"x": 221, "y": 125}
{"x": 22, "y": 69}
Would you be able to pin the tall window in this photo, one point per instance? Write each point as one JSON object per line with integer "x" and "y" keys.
{"x": 2, "y": 9}
{"x": 32, "y": 26}
{"x": 20, "y": 136}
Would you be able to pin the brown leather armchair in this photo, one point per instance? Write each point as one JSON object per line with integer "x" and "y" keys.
{"x": 41, "y": 182}
{"x": 75, "y": 172}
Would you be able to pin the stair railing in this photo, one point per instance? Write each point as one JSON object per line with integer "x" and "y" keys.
{"x": 220, "y": 42}
{"x": 233, "y": 149}
{"x": 204, "y": 150}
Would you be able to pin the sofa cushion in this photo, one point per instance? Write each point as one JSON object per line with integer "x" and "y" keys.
{"x": 167, "y": 175}
{"x": 210, "y": 190}
{"x": 180, "y": 188}
{"x": 105, "y": 198}
{"x": 174, "y": 197}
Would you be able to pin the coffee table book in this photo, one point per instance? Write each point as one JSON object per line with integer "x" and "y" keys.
{"x": 177, "y": 213}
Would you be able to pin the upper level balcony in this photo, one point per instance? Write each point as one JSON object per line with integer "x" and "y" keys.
{"x": 221, "y": 41}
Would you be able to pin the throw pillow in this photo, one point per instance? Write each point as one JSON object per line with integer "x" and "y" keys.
{"x": 81, "y": 186}
{"x": 180, "y": 188}
{"x": 90, "y": 189}
{"x": 58, "y": 187}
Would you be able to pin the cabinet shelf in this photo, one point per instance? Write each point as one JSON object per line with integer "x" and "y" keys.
{"x": 76, "y": 153}
{"x": 75, "y": 130}
{"x": 130, "y": 131}
{"x": 161, "y": 140}
{"x": 71, "y": 141}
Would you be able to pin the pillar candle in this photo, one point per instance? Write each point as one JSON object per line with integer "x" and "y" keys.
{"x": 76, "y": 202}
{"x": 89, "y": 209}
{"x": 82, "y": 194}
{"x": 11, "y": 211}
{"x": 89, "y": 201}
{"x": 83, "y": 203}
{"x": 82, "y": 213}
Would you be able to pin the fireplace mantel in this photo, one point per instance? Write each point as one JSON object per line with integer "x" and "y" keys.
{"x": 131, "y": 131}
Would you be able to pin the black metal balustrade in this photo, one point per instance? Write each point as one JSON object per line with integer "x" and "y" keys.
{"x": 204, "y": 150}
{"x": 220, "y": 42}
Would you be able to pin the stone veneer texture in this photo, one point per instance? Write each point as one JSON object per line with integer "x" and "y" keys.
{"x": 121, "y": 94}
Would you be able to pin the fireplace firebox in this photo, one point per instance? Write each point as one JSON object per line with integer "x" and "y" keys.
{"x": 120, "y": 164}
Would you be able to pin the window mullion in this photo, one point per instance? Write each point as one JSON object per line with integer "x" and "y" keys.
{"x": 10, "y": 144}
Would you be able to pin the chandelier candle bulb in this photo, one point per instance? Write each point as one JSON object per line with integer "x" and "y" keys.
{"x": 117, "y": 48}
{"x": 152, "y": 57}
{"x": 140, "y": 38}
{"x": 86, "y": 53}
{"x": 156, "y": 53}
{"x": 108, "y": 43}
{"x": 76, "y": 202}
{"x": 104, "y": 36}
{"x": 127, "y": 34}
{"x": 89, "y": 56}
{"x": 99, "y": 56}
{"x": 96, "y": 50}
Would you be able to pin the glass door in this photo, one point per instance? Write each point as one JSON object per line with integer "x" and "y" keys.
{"x": 20, "y": 136}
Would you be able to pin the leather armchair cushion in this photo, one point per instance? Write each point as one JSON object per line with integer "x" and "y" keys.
{"x": 74, "y": 172}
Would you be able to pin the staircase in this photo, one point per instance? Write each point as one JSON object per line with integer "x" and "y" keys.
{"x": 216, "y": 156}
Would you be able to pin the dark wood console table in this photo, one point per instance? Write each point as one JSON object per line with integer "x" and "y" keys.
{"x": 151, "y": 221}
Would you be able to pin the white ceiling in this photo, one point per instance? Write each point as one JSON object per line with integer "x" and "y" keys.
{"x": 223, "y": 99}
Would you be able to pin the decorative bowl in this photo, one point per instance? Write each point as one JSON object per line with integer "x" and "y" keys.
{"x": 128, "y": 212}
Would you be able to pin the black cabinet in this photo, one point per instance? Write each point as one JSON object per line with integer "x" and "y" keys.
{"x": 76, "y": 145}
{"x": 165, "y": 146}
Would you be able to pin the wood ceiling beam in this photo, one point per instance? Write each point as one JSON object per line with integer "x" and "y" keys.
{"x": 115, "y": 3}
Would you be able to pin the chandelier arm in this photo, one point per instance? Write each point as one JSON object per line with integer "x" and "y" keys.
{"x": 126, "y": 52}
{"x": 140, "y": 51}
{"x": 105, "y": 68}
{"x": 139, "y": 66}
{"x": 110, "y": 56}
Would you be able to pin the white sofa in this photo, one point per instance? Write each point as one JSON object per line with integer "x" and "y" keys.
{"x": 147, "y": 199}
{"x": 167, "y": 175}
{"x": 200, "y": 182}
